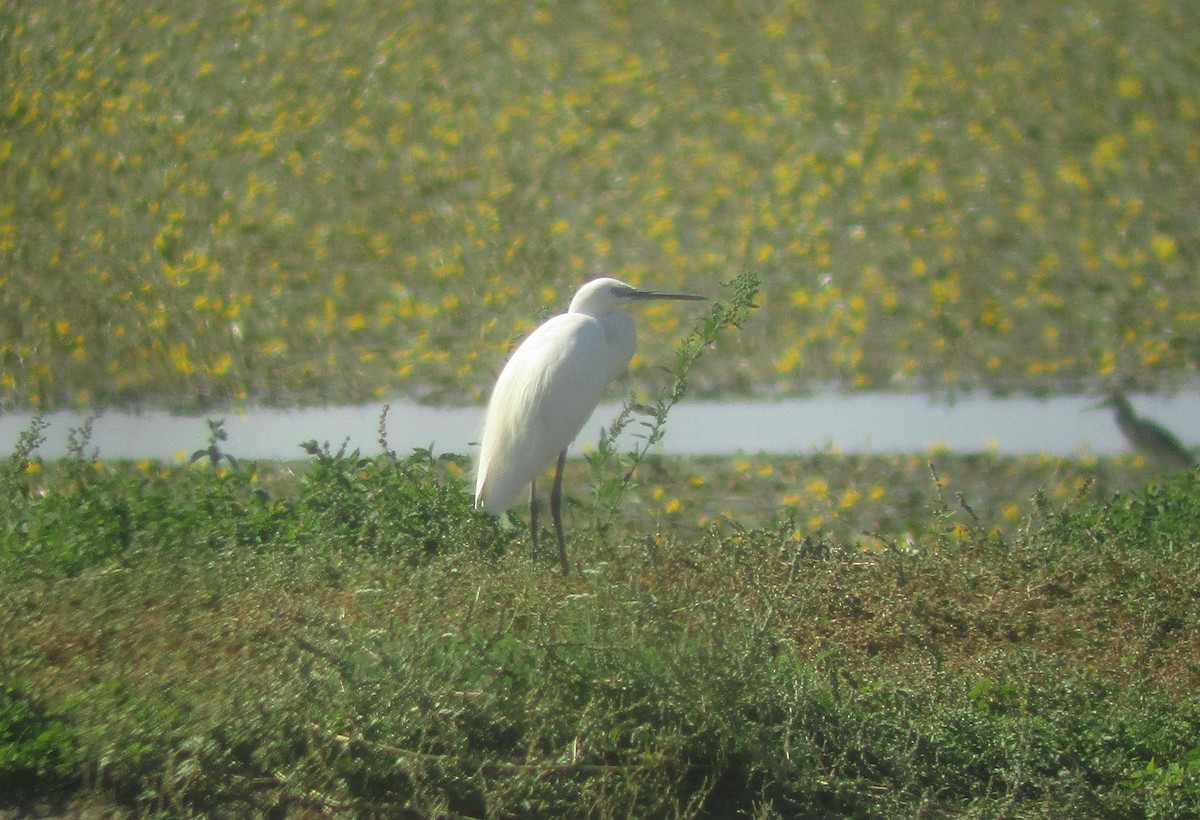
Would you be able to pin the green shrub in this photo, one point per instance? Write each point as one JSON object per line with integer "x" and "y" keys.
{"x": 38, "y": 748}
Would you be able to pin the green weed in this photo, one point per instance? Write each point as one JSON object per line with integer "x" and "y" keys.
{"x": 38, "y": 748}
{"x": 86, "y": 512}
{"x": 612, "y": 472}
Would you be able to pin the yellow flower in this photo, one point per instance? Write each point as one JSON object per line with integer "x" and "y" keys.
{"x": 1129, "y": 87}
{"x": 788, "y": 361}
{"x": 181, "y": 359}
{"x": 221, "y": 366}
{"x": 1163, "y": 246}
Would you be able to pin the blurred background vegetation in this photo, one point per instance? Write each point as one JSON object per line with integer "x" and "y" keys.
{"x": 343, "y": 201}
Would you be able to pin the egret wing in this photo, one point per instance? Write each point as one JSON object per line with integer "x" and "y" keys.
{"x": 543, "y": 397}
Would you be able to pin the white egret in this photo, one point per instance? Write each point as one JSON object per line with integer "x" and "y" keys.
{"x": 548, "y": 390}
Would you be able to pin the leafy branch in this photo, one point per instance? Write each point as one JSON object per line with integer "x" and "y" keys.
{"x": 610, "y": 486}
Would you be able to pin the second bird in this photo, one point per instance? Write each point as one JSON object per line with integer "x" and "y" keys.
{"x": 1147, "y": 437}
{"x": 547, "y": 392}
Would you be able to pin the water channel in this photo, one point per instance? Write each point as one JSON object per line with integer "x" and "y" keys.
{"x": 849, "y": 423}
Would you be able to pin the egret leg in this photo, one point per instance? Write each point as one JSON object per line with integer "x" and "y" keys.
{"x": 556, "y": 511}
{"x": 533, "y": 513}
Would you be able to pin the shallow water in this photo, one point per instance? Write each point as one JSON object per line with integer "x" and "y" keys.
{"x": 849, "y": 423}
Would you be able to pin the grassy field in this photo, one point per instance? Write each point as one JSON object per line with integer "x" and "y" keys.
{"x": 312, "y": 201}
{"x": 350, "y": 637}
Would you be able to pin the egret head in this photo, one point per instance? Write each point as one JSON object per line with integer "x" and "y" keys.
{"x": 1115, "y": 399}
{"x": 601, "y": 296}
